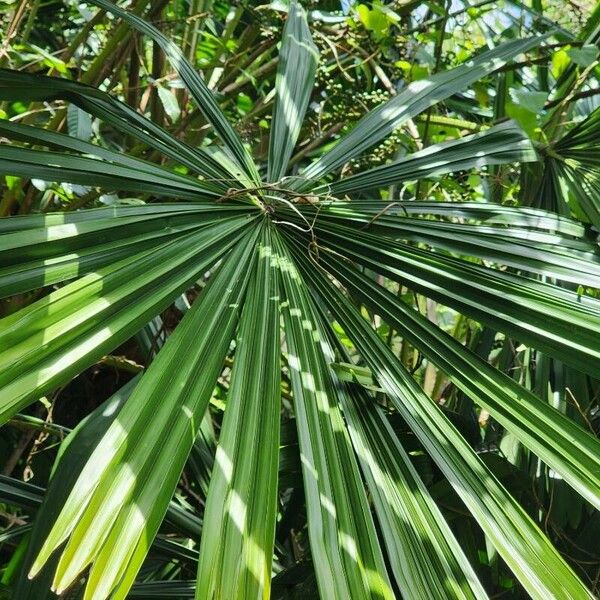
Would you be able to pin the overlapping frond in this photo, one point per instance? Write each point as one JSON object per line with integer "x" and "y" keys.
{"x": 286, "y": 276}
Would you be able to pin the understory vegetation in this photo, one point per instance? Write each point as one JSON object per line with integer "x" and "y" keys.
{"x": 299, "y": 299}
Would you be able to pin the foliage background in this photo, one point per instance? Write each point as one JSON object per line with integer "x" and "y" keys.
{"x": 368, "y": 53}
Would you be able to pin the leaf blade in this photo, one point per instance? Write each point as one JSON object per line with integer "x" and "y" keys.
{"x": 237, "y": 541}
{"x": 517, "y": 538}
{"x": 198, "y": 89}
{"x": 346, "y": 553}
{"x": 125, "y": 486}
{"x": 298, "y": 59}
{"x": 415, "y": 98}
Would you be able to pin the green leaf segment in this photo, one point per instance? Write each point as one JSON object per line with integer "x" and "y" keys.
{"x": 272, "y": 298}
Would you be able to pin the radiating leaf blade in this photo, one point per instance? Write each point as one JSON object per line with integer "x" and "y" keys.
{"x": 141, "y": 178}
{"x": 561, "y": 443}
{"x": 558, "y": 321}
{"x": 118, "y": 502}
{"x": 344, "y": 545}
{"x": 195, "y": 84}
{"x": 415, "y": 98}
{"x": 525, "y": 549}
{"x": 504, "y": 143}
{"x": 17, "y": 85}
{"x": 53, "y": 339}
{"x": 425, "y": 557}
{"x": 298, "y": 59}
{"x": 241, "y": 508}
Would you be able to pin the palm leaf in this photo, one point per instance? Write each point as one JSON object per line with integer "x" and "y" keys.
{"x": 504, "y": 143}
{"x": 115, "y": 508}
{"x": 560, "y": 442}
{"x": 40, "y": 250}
{"x": 298, "y": 59}
{"x": 194, "y": 83}
{"x": 485, "y": 212}
{"x": 530, "y": 251}
{"x": 558, "y": 321}
{"x": 141, "y": 178}
{"x": 53, "y": 339}
{"x": 417, "y": 97}
{"x": 74, "y": 453}
{"x": 16, "y": 85}
{"x": 239, "y": 520}
{"x": 573, "y": 166}
{"x": 347, "y": 558}
{"x": 422, "y": 551}
{"x": 525, "y": 549}
{"x": 370, "y": 516}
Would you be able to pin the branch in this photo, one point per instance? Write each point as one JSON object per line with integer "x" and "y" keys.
{"x": 578, "y": 96}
